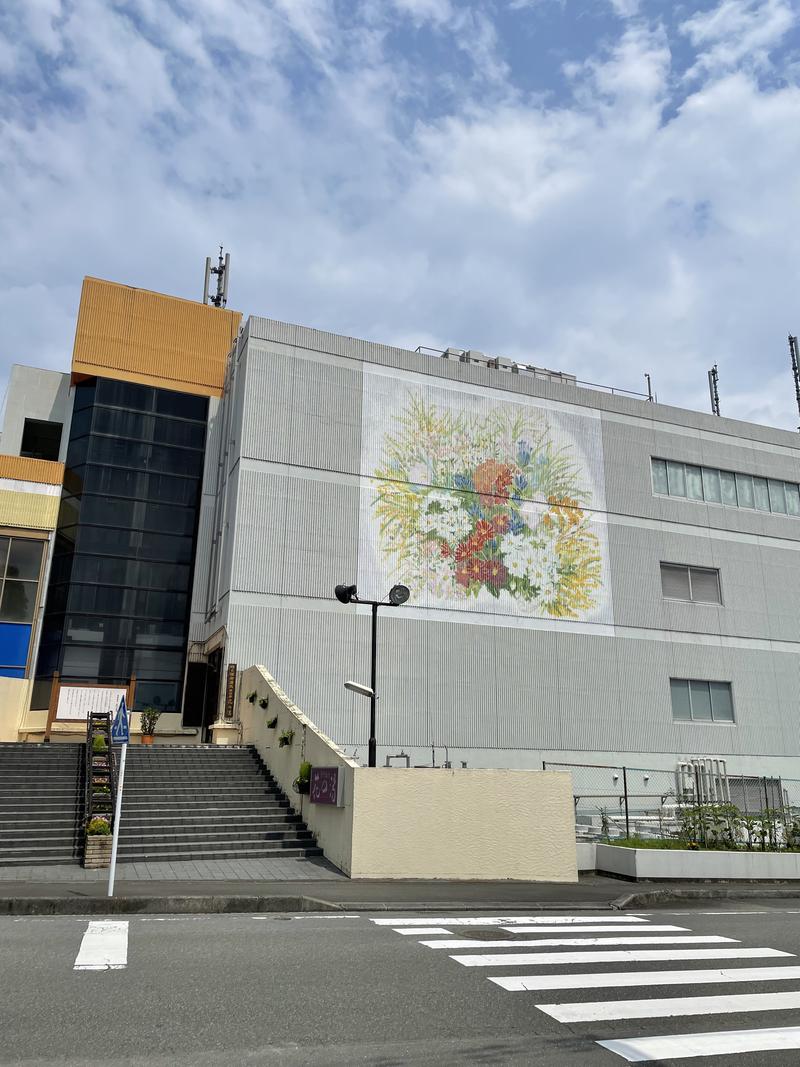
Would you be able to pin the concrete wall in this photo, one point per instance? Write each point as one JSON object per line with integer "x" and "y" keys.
{"x": 32, "y": 394}
{"x": 14, "y": 694}
{"x": 652, "y": 864}
{"x": 417, "y": 823}
{"x": 507, "y": 692}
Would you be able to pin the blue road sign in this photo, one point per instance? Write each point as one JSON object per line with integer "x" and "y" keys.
{"x": 121, "y": 727}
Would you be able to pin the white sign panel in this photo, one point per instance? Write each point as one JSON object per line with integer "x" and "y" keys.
{"x": 77, "y": 702}
{"x": 482, "y": 501}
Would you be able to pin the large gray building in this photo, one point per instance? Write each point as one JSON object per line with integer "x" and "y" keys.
{"x": 593, "y": 577}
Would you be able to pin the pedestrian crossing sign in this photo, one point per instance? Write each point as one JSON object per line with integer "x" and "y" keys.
{"x": 120, "y": 727}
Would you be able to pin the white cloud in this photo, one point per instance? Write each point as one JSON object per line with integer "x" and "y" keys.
{"x": 588, "y": 233}
{"x": 737, "y": 31}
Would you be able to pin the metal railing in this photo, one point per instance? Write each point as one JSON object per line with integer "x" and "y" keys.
{"x": 698, "y": 803}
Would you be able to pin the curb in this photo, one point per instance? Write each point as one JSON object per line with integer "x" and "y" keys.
{"x": 160, "y": 905}
{"x": 655, "y": 897}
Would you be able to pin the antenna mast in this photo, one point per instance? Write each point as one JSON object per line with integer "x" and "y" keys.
{"x": 713, "y": 388}
{"x": 222, "y": 271}
{"x": 795, "y": 354}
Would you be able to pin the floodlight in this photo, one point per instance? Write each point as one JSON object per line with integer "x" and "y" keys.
{"x": 345, "y": 594}
{"x": 398, "y": 595}
{"x": 357, "y": 687}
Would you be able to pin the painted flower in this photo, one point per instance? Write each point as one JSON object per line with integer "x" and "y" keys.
{"x": 492, "y": 478}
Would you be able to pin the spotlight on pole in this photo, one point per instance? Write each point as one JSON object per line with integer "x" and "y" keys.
{"x": 346, "y": 594}
{"x": 398, "y": 595}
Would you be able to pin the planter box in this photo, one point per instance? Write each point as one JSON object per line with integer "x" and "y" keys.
{"x": 688, "y": 865}
{"x": 97, "y": 852}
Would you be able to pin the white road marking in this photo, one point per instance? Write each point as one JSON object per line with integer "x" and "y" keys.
{"x": 511, "y": 920}
{"x": 668, "y": 1007}
{"x": 582, "y": 930}
{"x": 583, "y": 942}
{"x": 415, "y": 931}
{"x": 555, "y": 959}
{"x": 684, "y": 1046}
{"x": 616, "y": 979}
{"x": 104, "y": 947}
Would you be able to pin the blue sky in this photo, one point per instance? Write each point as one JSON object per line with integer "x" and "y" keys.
{"x": 606, "y": 187}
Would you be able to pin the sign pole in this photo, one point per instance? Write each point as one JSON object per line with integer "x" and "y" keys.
{"x": 120, "y": 734}
{"x": 112, "y": 870}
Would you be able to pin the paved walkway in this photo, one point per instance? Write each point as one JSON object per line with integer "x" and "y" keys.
{"x": 313, "y": 869}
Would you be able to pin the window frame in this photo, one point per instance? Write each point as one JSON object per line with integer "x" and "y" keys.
{"x": 689, "y": 567}
{"x": 715, "y": 474}
{"x": 708, "y": 682}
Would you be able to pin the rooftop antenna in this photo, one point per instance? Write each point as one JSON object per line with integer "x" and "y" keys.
{"x": 222, "y": 271}
{"x": 713, "y": 388}
{"x": 794, "y": 353}
{"x": 649, "y": 388}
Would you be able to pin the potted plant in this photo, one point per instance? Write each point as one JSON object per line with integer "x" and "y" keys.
{"x": 263, "y": 702}
{"x": 285, "y": 737}
{"x": 302, "y": 782}
{"x": 150, "y": 717}
{"x": 99, "y": 746}
{"x": 97, "y": 851}
{"x": 252, "y": 696}
{"x": 272, "y": 723}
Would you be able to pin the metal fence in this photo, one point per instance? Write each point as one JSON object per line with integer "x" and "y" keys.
{"x": 697, "y": 803}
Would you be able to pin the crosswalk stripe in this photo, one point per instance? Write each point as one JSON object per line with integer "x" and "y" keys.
{"x": 666, "y": 1007}
{"x": 104, "y": 947}
{"x": 417, "y": 931}
{"x": 616, "y": 979}
{"x": 580, "y": 930}
{"x": 511, "y": 920}
{"x": 578, "y": 942}
{"x": 554, "y": 959}
{"x": 725, "y": 1042}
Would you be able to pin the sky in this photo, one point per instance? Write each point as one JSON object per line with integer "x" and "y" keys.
{"x": 605, "y": 187}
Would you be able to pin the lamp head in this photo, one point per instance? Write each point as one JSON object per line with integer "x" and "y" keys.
{"x": 346, "y": 594}
{"x": 398, "y": 595}
{"x": 357, "y": 687}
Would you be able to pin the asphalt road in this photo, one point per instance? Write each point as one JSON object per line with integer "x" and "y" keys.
{"x": 351, "y": 989}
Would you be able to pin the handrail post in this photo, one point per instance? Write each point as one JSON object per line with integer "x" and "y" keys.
{"x": 625, "y": 789}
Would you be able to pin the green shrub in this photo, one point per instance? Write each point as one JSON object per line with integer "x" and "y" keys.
{"x": 272, "y": 723}
{"x": 99, "y": 744}
{"x": 98, "y": 828}
{"x": 285, "y": 738}
{"x": 252, "y": 696}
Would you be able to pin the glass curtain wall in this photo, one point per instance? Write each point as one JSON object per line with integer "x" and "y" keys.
{"x": 120, "y": 583}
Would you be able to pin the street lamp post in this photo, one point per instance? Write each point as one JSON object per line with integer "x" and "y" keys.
{"x": 348, "y": 594}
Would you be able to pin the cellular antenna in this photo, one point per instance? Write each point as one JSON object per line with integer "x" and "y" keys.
{"x": 793, "y": 352}
{"x": 222, "y": 271}
{"x": 713, "y": 388}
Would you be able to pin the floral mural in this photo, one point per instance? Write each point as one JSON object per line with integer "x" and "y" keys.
{"x": 485, "y": 507}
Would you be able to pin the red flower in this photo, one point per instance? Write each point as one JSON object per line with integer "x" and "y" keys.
{"x": 492, "y": 478}
{"x": 494, "y": 572}
{"x": 445, "y": 549}
{"x": 469, "y": 572}
{"x": 500, "y": 523}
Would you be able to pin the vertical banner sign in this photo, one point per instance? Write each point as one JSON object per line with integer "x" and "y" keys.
{"x": 230, "y": 690}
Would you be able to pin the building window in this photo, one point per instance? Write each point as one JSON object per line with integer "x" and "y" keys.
{"x": 701, "y": 701}
{"x": 40, "y": 439}
{"x": 699, "y": 584}
{"x": 20, "y": 566}
{"x": 690, "y": 482}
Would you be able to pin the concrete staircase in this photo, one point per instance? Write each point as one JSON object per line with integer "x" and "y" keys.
{"x": 41, "y": 803}
{"x": 189, "y": 802}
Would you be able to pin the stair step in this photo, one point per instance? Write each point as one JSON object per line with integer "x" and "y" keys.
{"x": 265, "y": 852}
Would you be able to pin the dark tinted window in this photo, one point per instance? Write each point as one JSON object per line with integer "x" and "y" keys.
{"x": 41, "y": 440}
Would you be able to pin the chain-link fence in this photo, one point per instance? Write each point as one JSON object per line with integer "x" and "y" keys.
{"x": 698, "y": 804}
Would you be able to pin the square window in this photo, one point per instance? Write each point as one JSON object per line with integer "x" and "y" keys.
{"x": 677, "y": 479}
{"x": 660, "y": 477}
{"x": 18, "y": 601}
{"x": 24, "y": 559}
{"x": 792, "y": 499}
{"x": 701, "y": 701}
{"x": 679, "y": 693}
{"x": 675, "y": 582}
{"x": 705, "y": 585}
{"x": 40, "y": 439}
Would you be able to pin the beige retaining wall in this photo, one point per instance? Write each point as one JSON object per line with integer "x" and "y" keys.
{"x": 471, "y": 824}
